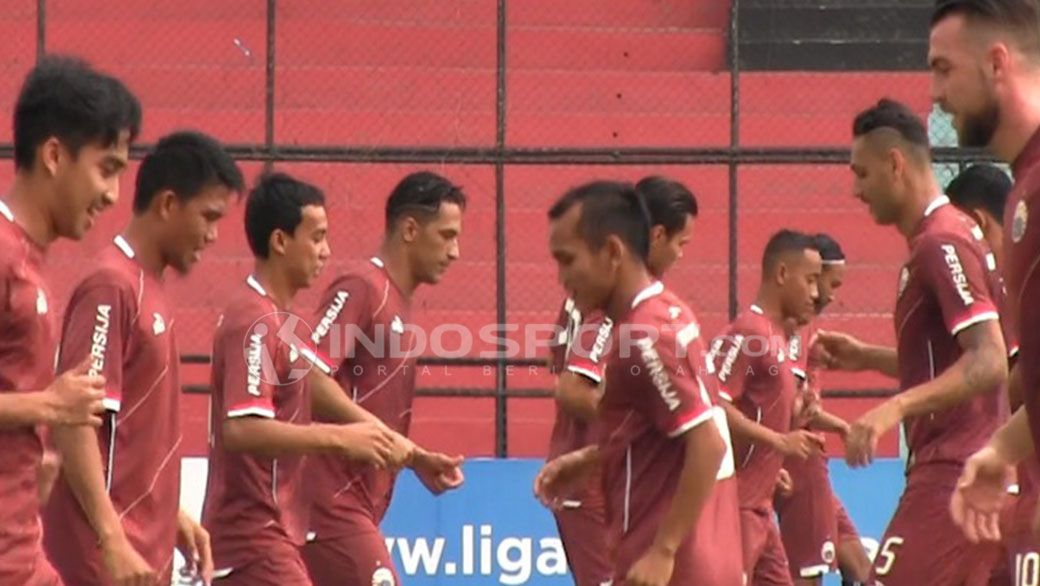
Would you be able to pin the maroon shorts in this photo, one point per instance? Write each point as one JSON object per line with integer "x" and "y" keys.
{"x": 583, "y": 532}
{"x": 359, "y": 559}
{"x": 280, "y": 565}
{"x": 922, "y": 545}
{"x": 808, "y": 518}
{"x": 1018, "y": 563}
{"x": 765, "y": 561}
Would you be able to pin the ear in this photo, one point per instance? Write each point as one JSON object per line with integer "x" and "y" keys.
{"x": 897, "y": 160}
{"x": 657, "y": 234}
{"x": 981, "y": 219}
{"x": 50, "y": 153}
{"x": 409, "y": 229}
{"x": 615, "y": 250}
{"x": 279, "y": 242}
{"x": 782, "y": 273}
{"x": 998, "y": 59}
{"x": 166, "y": 201}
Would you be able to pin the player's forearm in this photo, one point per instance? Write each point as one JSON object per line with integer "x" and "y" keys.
{"x": 742, "y": 427}
{"x": 882, "y": 359}
{"x": 1013, "y": 440}
{"x": 829, "y": 422}
{"x": 577, "y": 396}
{"x": 330, "y": 402}
{"x": 273, "y": 438}
{"x": 704, "y": 452}
{"x": 978, "y": 370}
{"x": 24, "y": 409}
{"x": 82, "y": 469}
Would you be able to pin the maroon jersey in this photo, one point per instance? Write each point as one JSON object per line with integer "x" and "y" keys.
{"x": 27, "y": 346}
{"x": 1022, "y": 274}
{"x": 255, "y": 501}
{"x": 949, "y": 284}
{"x": 119, "y": 317}
{"x": 580, "y": 349}
{"x": 654, "y": 394}
{"x": 753, "y": 371}
{"x": 363, "y": 334}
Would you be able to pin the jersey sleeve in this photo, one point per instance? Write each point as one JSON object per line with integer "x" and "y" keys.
{"x": 97, "y": 327}
{"x": 732, "y": 363}
{"x": 586, "y": 351}
{"x": 668, "y": 388}
{"x": 959, "y": 280}
{"x": 249, "y": 351}
{"x": 345, "y": 309}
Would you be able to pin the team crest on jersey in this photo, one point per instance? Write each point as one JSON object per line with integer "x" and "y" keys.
{"x": 794, "y": 347}
{"x": 41, "y": 302}
{"x": 904, "y": 280}
{"x": 382, "y": 577}
{"x": 158, "y": 325}
{"x": 396, "y": 325}
{"x": 1018, "y": 224}
{"x": 674, "y": 312}
{"x": 828, "y": 553}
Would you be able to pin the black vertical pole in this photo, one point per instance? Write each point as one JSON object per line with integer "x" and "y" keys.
{"x": 41, "y": 29}
{"x": 501, "y": 403}
{"x": 734, "y": 144}
{"x": 272, "y": 9}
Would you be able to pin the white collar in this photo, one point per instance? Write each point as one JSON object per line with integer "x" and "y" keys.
{"x": 124, "y": 246}
{"x": 936, "y": 204}
{"x": 256, "y": 286}
{"x": 655, "y": 288}
{"x": 756, "y": 309}
{"x": 6, "y": 212}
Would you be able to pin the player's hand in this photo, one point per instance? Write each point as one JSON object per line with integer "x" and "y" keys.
{"x": 801, "y": 443}
{"x": 980, "y": 495}
{"x": 74, "y": 398}
{"x": 653, "y": 569}
{"x": 838, "y": 351}
{"x": 784, "y": 483}
{"x": 403, "y": 452}
{"x": 366, "y": 442}
{"x": 193, "y": 543}
{"x": 438, "y": 472}
{"x": 558, "y": 477}
{"x": 125, "y": 565}
{"x": 862, "y": 439}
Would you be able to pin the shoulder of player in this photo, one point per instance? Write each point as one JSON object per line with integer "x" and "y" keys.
{"x": 109, "y": 281}
{"x": 938, "y": 237}
{"x": 245, "y": 309}
{"x": 357, "y": 282}
{"x": 746, "y": 323}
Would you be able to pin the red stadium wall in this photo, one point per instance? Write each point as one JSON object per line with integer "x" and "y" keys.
{"x": 422, "y": 73}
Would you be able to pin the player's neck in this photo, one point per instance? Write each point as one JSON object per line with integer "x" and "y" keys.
{"x": 29, "y": 210}
{"x": 924, "y": 190}
{"x": 141, "y": 239}
{"x": 395, "y": 261}
{"x": 276, "y": 282}
{"x": 769, "y": 303}
{"x": 630, "y": 284}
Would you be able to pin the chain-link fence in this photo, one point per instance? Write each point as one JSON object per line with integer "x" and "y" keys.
{"x": 516, "y": 101}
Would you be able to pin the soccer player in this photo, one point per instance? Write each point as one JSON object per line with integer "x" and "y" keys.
{"x": 256, "y": 507}
{"x": 72, "y": 132}
{"x": 759, "y": 389}
{"x": 663, "y": 452}
{"x": 577, "y": 360}
{"x": 981, "y": 191}
{"x": 120, "y": 486}
{"x": 950, "y": 359}
{"x": 363, "y": 333}
{"x": 816, "y": 530}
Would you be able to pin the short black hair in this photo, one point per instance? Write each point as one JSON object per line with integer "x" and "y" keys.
{"x": 783, "y": 242}
{"x": 64, "y": 97}
{"x": 420, "y": 196}
{"x": 1019, "y": 17}
{"x": 830, "y": 250}
{"x": 981, "y": 186}
{"x": 894, "y": 116}
{"x": 276, "y": 203}
{"x": 668, "y": 201}
{"x": 609, "y": 208}
{"x": 184, "y": 162}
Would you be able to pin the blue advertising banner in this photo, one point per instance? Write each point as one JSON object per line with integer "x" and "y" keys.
{"x": 493, "y": 531}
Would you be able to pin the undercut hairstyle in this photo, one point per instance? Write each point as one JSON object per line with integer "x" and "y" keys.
{"x": 64, "y": 97}
{"x": 420, "y": 196}
{"x": 895, "y": 123}
{"x": 670, "y": 203}
{"x": 829, "y": 249}
{"x": 984, "y": 187}
{"x": 609, "y": 208}
{"x": 783, "y": 243}
{"x": 1020, "y": 19}
{"x": 185, "y": 163}
{"x": 276, "y": 203}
